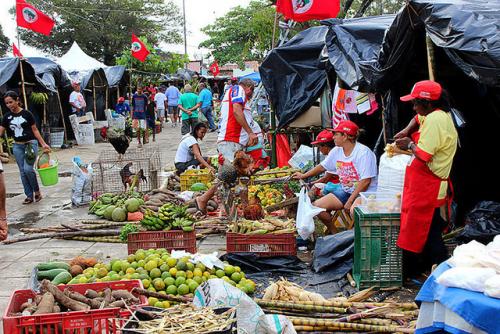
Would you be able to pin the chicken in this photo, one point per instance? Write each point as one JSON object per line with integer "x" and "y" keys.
{"x": 243, "y": 163}
{"x": 116, "y": 138}
{"x": 131, "y": 180}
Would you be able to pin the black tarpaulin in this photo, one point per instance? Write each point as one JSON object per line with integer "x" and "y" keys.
{"x": 50, "y": 73}
{"x": 294, "y": 74}
{"x": 10, "y": 75}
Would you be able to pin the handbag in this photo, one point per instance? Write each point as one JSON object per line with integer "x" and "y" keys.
{"x": 201, "y": 117}
{"x": 29, "y": 154}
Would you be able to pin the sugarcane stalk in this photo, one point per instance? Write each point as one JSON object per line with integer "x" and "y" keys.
{"x": 375, "y": 321}
{"x": 97, "y": 239}
{"x": 365, "y": 314}
{"x": 404, "y": 306}
{"x": 301, "y": 314}
{"x": 452, "y": 234}
{"x": 61, "y": 235}
{"x": 273, "y": 304}
{"x": 348, "y": 325}
{"x": 147, "y": 293}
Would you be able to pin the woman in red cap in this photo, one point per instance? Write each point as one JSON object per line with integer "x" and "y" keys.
{"x": 432, "y": 138}
{"x": 356, "y": 166}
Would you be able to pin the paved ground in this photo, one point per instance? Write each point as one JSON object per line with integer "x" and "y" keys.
{"x": 17, "y": 260}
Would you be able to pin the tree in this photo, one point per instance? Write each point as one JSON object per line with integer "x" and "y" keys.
{"x": 156, "y": 62}
{"x": 4, "y": 43}
{"x": 103, "y": 28}
{"x": 358, "y": 8}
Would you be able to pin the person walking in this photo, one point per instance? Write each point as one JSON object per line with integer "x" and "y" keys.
{"x": 139, "y": 105}
{"x": 20, "y": 125}
{"x": 160, "y": 105}
{"x": 205, "y": 103}
{"x": 77, "y": 101}
{"x": 173, "y": 96}
{"x": 188, "y": 104}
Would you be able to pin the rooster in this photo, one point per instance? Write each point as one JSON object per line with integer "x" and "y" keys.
{"x": 131, "y": 180}
{"x": 116, "y": 138}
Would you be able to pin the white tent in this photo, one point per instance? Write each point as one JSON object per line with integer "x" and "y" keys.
{"x": 75, "y": 60}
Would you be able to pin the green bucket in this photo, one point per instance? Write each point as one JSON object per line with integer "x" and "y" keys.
{"x": 49, "y": 176}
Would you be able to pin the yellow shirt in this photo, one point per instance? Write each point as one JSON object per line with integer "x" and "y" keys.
{"x": 438, "y": 144}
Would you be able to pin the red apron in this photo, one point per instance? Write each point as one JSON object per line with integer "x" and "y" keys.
{"x": 421, "y": 189}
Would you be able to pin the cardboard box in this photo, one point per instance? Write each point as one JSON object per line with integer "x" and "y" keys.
{"x": 311, "y": 117}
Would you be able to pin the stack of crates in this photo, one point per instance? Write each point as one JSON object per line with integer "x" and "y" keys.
{"x": 377, "y": 259}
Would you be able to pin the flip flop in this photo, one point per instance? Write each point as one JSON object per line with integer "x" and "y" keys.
{"x": 28, "y": 200}
{"x": 38, "y": 198}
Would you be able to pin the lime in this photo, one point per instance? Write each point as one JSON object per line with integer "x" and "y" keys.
{"x": 130, "y": 271}
{"x": 116, "y": 266}
{"x": 181, "y": 274}
{"x": 169, "y": 281}
{"x": 220, "y": 273}
{"x": 190, "y": 266}
{"x": 164, "y": 267}
{"x": 166, "y": 304}
{"x": 236, "y": 277}
{"x": 197, "y": 272}
{"x": 135, "y": 276}
{"x": 140, "y": 255}
{"x": 134, "y": 265}
{"x": 172, "y": 290}
{"x": 200, "y": 266}
{"x": 152, "y": 301}
{"x": 198, "y": 279}
{"x": 173, "y": 272}
{"x": 141, "y": 263}
{"x": 155, "y": 273}
{"x": 179, "y": 281}
{"x": 229, "y": 270}
{"x": 101, "y": 272}
{"x": 171, "y": 262}
{"x": 192, "y": 286}
{"x": 146, "y": 283}
{"x": 189, "y": 274}
{"x": 181, "y": 265}
{"x": 150, "y": 265}
{"x": 152, "y": 288}
{"x": 165, "y": 274}
{"x": 237, "y": 269}
{"x": 158, "y": 284}
{"x": 158, "y": 304}
{"x": 183, "y": 289}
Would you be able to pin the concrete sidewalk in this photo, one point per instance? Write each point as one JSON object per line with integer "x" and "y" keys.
{"x": 17, "y": 260}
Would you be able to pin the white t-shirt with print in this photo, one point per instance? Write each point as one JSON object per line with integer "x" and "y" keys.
{"x": 160, "y": 99}
{"x": 77, "y": 99}
{"x": 184, "y": 151}
{"x": 360, "y": 165}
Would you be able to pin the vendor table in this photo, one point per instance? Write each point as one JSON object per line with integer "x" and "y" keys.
{"x": 455, "y": 310}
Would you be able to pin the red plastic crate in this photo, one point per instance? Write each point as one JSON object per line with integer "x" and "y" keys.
{"x": 262, "y": 244}
{"x": 170, "y": 240}
{"x": 107, "y": 320}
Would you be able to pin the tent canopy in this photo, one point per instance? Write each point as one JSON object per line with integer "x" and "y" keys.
{"x": 255, "y": 76}
{"x": 50, "y": 72}
{"x": 10, "y": 74}
{"x": 77, "y": 60}
{"x": 116, "y": 75}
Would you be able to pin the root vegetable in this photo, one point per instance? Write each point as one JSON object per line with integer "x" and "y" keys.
{"x": 56, "y": 309}
{"x": 75, "y": 270}
{"x": 118, "y": 303}
{"x": 213, "y": 204}
{"x": 25, "y": 305}
{"x": 94, "y": 304}
{"x": 191, "y": 210}
{"x": 108, "y": 298}
{"x": 271, "y": 292}
{"x": 91, "y": 294}
{"x": 124, "y": 294}
{"x": 46, "y": 305}
{"x": 62, "y": 298}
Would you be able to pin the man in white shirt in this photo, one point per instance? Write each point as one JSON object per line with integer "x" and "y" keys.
{"x": 77, "y": 101}
{"x": 160, "y": 105}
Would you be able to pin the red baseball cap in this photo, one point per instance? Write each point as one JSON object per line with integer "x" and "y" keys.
{"x": 121, "y": 99}
{"x": 348, "y": 127}
{"x": 324, "y": 136}
{"x": 426, "y": 90}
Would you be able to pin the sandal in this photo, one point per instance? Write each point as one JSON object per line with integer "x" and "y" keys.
{"x": 38, "y": 198}
{"x": 28, "y": 200}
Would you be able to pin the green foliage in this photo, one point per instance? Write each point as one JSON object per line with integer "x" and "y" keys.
{"x": 156, "y": 62}
{"x": 375, "y": 7}
{"x": 103, "y": 28}
{"x": 4, "y": 43}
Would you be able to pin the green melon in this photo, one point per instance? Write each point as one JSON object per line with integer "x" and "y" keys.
{"x": 119, "y": 215}
{"x": 132, "y": 204}
{"x": 199, "y": 187}
{"x": 109, "y": 211}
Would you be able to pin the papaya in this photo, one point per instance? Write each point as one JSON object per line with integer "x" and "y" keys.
{"x": 198, "y": 187}
{"x": 53, "y": 265}
{"x": 62, "y": 278}
{"x": 49, "y": 274}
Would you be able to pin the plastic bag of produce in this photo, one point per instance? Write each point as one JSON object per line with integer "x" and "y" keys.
{"x": 81, "y": 191}
{"x": 305, "y": 214}
{"x": 250, "y": 317}
{"x": 472, "y": 279}
{"x": 391, "y": 174}
{"x": 302, "y": 158}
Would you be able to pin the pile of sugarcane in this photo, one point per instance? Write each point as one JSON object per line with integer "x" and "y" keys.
{"x": 185, "y": 318}
{"x": 342, "y": 315}
{"x": 83, "y": 230}
{"x": 210, "y": 226}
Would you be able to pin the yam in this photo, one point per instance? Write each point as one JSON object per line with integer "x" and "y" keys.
{"x": 91, "y": 294}
{"x": 108, "y": 298}
{"x": 210, "y": 208}
{"x": 25, "y": 305}
{"x": 56, "y": 309}
{"x": 75, "y": 270}
{"x": 46, "y": 305}
{"x": 191, "y": 211}
{"x": 94, "y": 304}
{"x": 62, "y": 298}
{"x": 118, "y": 303}
{"x": 124, "y": 294}
{"x": 213, "y": 204}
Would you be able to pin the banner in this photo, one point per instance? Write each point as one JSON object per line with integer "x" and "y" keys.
{"x": 31, "y": 18}
{"x": 15, "y": 51}
{"x": 305, "y": 10}
{"x": 139, "y": 49}
{"x": 214, "y": 68}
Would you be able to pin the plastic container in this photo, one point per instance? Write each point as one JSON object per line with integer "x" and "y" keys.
{"x": 170, "y": 240}
{"x": 377, "y": 259}
{"x": 107, "y": 320}
{"x": 262, "y": 244}
{"x": 187, "y": 180}
{"x": 373, "y": 202}
{"x": 50, "y": 175}
{"x": 131, "y": 325}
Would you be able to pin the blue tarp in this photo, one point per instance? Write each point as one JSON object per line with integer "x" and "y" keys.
{"x": 255, "y": 76}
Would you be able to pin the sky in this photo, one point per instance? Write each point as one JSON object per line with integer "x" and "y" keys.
{"x": 199, "y": 13}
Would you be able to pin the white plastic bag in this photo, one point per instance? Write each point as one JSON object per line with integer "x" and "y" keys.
{"x": 468, "y": 255}
{"x": 302, "y": 158}
{"x": 305, "y": 214}
{"x": 250, "y": 317}
{"x": 81, "y": 190}
{"x": 472, "y": 279}
{"x": 391, "y": 174}
{"x": 492, "y": 287}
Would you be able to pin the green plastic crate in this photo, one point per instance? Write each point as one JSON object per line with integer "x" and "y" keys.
{"x": 377, "y": 259}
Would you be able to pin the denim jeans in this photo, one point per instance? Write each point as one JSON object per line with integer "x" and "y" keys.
{"x": 28, "y": 175}
{"x": 208, "y": 114}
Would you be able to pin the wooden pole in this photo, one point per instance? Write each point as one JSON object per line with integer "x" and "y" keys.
{"x": 93, "y": 98}
{"x": 117, "y": 93}
{"x": 274, "y": 29}
{"x": 107, "y": 93}
{"x": 23, "y": 86}
{"x": 62, "y": 116}
{"x": 430, "y": 57}
{"x": 45, "y": 114}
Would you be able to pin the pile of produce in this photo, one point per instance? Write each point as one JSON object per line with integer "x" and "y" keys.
{"x": 185, "y": 318}
{"x": 53, "y": 300}
{"x": 287, "y": 291}
{"x": 159, "y": 272}
{"x": 266, "y": 194}
{"x": 268, "y": 225}
{"x": 169, "y": 216}
{"x": 61, "y": 272}
{"x": 275, "y": 172}
{"x": 155, "y": 199}
{"x": 116, "y": 207}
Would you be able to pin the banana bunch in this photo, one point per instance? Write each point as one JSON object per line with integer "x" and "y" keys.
{"x": 152, "y": 222}
{"x": 183, "y": 223}
{"x": 176, "y": 217}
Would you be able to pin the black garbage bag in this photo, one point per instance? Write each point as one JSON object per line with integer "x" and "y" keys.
{"x": 333, "y": 251}
{"x": 482, "y": 223}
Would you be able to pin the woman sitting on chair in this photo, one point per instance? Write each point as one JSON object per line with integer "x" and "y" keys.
{"x": 356, "y": 166}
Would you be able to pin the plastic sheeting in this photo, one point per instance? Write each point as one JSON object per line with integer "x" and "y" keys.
{"x": 483, "y": 223}
{"x": 116, "y": 75}
{"x": 50, "y": 72}
{"x": 10, "y": 74}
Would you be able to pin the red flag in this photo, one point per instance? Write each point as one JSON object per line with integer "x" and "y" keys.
{"x": 15, "y": 51}
{"x": 305, "y": 10}
{"x": 214, "y": 68}
{"x": 31, "y": 18}
{"x": 139, "y": 50}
